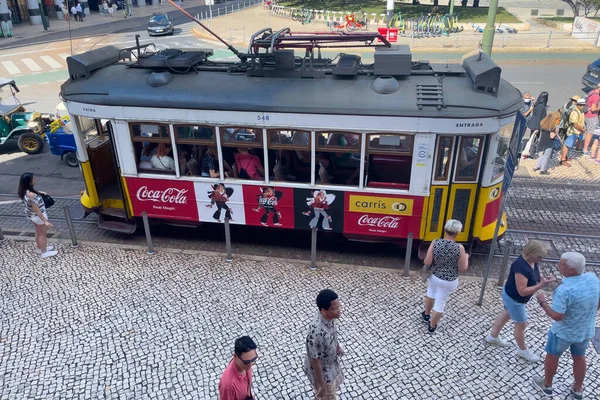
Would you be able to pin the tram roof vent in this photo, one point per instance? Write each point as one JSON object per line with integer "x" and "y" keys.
{"x": 394, "y": 61}
{"x": 484, "y": 73}
{"x": 81, "y": 66}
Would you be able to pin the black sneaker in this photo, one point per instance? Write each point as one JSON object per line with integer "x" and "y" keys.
{"x": 538, "y": 383}
{"x": 425, "y": 317}
{"x": 430, "y": 329}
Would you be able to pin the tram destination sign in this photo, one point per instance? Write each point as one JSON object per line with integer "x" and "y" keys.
{"x": 513, "y": 150}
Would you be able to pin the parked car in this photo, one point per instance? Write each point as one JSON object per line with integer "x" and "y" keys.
{"x": 160, "y": 24}
{"x": 26, "y": 128}
{"x": 591, "y": 78}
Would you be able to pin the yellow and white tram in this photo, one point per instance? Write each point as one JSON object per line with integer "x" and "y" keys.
{"x": 374, "y": 152}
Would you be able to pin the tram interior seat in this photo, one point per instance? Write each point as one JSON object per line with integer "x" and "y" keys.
{"x": 387, "y": 169}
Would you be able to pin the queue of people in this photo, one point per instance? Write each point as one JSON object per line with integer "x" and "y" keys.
{"x": 573, "y": 309}
{"x": 572, "y": 129}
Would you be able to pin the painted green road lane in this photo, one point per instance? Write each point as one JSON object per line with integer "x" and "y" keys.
{"x": 42, "y": 78}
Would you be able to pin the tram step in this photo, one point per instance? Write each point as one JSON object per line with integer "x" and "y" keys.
{"x": 116, "y": 225}
{"x": 114, "y": 212}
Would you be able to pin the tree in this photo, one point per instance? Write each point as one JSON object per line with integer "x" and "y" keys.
{"x": 584, "y": 7}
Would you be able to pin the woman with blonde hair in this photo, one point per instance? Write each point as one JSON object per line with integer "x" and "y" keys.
{"x": 549, "y": 133}
{"x": 162, "y": 159}
{"x": 523, "y": 281}
{"x": 446, "y": 259}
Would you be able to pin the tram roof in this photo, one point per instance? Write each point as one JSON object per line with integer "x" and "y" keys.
{"x": 118, "y": 84}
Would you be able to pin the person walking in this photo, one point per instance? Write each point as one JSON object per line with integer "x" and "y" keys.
{"x": 35, "y": 210}
{"x": 322, "y": 364}
{"x": 565, "y": 111}
{"x": 536, "y": 117}
{"x": 446, "y": 258}
{"x": 548, "y": 136}
{"x": 528, "y": 103}
{"x": 574, "y": 306}
{"x": 523, "y": 281}
{"x": 591, "y": 118}
{"x": 575, "y": 130}
{"x": 79, "y": 12}
{"x": 236, "y": 381}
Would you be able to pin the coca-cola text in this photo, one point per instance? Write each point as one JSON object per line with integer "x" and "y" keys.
{"x": 379, "y": 222}
{"x": 170, "y": 195}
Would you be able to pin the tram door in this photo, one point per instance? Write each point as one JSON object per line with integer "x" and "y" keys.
{"x": 454, "y": 184}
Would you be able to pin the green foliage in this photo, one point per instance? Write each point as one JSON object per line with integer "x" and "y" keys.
{"x": 465, "y": 14}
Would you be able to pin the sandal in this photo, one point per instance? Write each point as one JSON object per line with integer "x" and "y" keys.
{"x": 565, "y": 163}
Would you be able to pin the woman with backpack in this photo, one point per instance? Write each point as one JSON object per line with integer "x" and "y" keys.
{"x": 548, "y": 137}
{"x": 538, "y": 114}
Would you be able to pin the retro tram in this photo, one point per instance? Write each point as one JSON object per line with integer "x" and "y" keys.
{"x": 372, "y": 151}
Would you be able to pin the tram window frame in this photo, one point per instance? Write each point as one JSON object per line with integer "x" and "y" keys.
{"x": 242, "y": 143}
{"x": 377, "y": 150}
{"x": 287, "y": 146}
{"x": 448, "y": 163}
{"x": 149, "y": 139}
{"x": 475, "y": 176}
{"x": 335, "y": 148}
{"x": 504, "y": 136}
{"x": 209, "y": 142}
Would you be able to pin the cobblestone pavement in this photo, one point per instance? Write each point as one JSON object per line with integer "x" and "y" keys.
{"x": 119, "y": 324}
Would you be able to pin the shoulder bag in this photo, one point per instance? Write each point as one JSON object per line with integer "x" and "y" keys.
{"x": 48, "y": 201}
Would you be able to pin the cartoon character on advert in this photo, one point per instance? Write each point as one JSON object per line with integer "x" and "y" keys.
{"x": 267, "y": 200}
{"x": 219, "y": 196}
{"x": 319, "y": 203}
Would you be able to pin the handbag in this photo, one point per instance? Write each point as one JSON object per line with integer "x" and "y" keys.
{"x": 48, "y": 201}
{"x": 556, "y": 144}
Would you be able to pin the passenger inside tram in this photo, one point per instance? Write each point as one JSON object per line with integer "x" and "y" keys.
{"x": 210, "y": 164}
{"x": 468, "y": 158}
{"x": 345, "y": 165}
{"x": 162, "y": 159}
{"x": 248, "y": 165}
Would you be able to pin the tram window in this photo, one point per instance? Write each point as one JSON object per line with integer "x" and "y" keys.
{"x": 502, "y": 151}
{"x": 243, "y": 156}
{"x": 193, "y": 134}
{"x": 338, "y": 157}
{"x": 152, "y": 147}
{"x": 468, "y": 158}
{"x": 390, "y": 161}
{"x": 442, "y": 158}
{"x": 289, "y": 155}
{"x": 91, "y": 129}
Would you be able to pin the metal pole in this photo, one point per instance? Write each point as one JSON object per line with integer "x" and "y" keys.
{"x": 456, "y": 43}
{"x": 229, "y": 33}
{"x": 490, "y": 29}
{"x": 409, "y": 242}
{"x": 244, "y": 34}
{"x": 1, "y": 234}
{"x": 313, "y": 250}
{"x": 228, "y": 241}
{"x": 147, "y": 230}
{"x": 492, "y": 249}
{"x": 503, "y": 36}
{"x": 549, "y": 39}
{"x": 71, "y": 228}
{"x": 451, "y": 7}
{"x": 507, "y": 248}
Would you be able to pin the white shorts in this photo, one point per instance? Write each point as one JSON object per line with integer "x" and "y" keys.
{"x": 37, "y": 220}
{"x": 439, "y": 290}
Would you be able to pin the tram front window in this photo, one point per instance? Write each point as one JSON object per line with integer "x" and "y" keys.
{"x": 389, "y": 161}
{"x": 468, "y": 158}
{"x": 502, "y": 151}
{"x": 153, "y": 149}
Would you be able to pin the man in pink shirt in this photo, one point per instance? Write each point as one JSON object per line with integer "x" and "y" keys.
{"x": 236, "y": 382}
{"x": 591, "y": 117}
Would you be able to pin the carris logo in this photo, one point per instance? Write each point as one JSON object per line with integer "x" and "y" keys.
{"x": 170, "y": 195}
{"x": 379, "y": 222}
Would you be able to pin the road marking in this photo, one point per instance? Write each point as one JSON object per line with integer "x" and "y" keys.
{"x": 11, "y": 68}
{"x": 64, "y": 55}
{"x": 31, "y": 64}
{"x": 527, "y": 83}
{"x": 51, "y": 62}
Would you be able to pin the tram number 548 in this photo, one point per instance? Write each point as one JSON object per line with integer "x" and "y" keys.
{"x": 262, "y": 117}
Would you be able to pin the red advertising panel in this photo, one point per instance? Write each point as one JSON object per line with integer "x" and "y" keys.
{"x": 162, "y": 198}
{"x": 382, "y": 215}
{"x": 269, "y": 206}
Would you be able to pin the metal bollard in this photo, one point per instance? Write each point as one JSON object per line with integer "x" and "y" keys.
{"x": 218, "y": 12}
{"x": 244, "y": 34}
{"x": 505, "y": 259}
{"x": 74, "y": 243}
{"x": 228, "y": 241}
{"x": 147, "y": 230}
{"x": 313, "y": 250}
{"x": 1, "y": 234}
{"x": 549, "y": 39}
{"x": 409, "y": 241}
{"x": 503, "y": 36}
{"x": 456, "y": 43}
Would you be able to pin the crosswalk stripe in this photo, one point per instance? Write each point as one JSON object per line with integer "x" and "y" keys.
{"x": 31, "y": 64}
{"x": 11, "y": 68}
{"x": 51, "y": 62}
{"x": 64, "y": 55}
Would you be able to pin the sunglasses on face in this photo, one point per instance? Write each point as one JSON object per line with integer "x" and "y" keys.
{"x": 248, "y": 362}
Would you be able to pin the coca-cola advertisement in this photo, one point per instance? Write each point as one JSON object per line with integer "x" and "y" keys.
{"x": 269, "y": 206}
{"x": 319, "y": 209}
{"x": 162, "y": 198}
{"x": 220, "y": 201}
{"x": 382, "y": 215}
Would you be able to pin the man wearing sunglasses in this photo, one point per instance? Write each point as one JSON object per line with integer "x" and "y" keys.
{"x": 236, "y": 382}
{"x": 322, "y": 363}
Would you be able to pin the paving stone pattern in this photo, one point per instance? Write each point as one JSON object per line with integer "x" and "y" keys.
{"x": 119, "y": 324}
